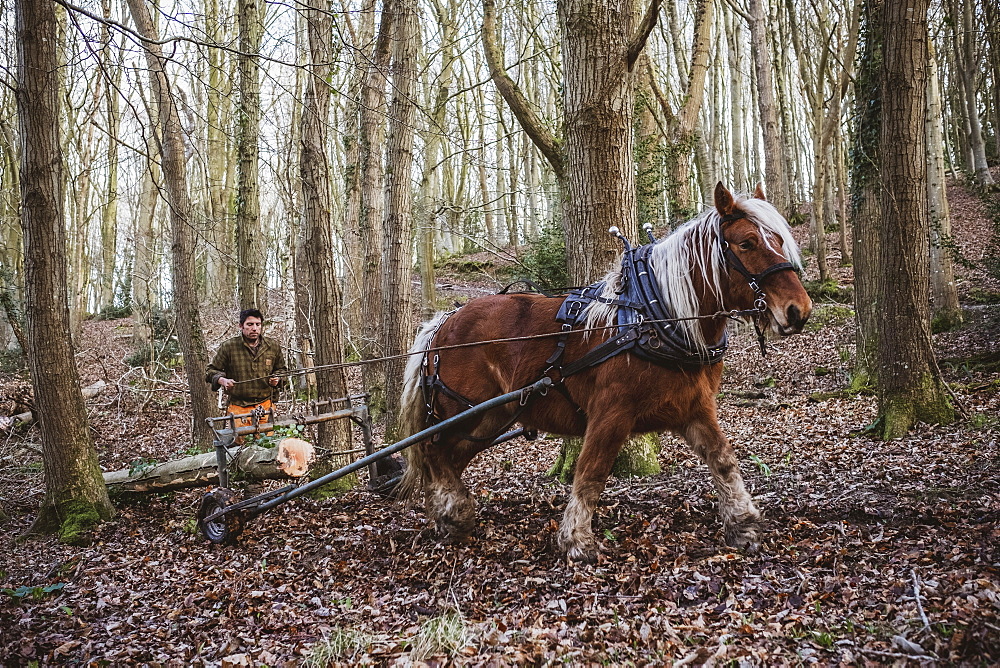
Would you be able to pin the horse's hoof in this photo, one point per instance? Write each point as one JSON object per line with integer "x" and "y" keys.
{"x": 583, "y": 549}
{"x": 456, "y": 530}
{"x": 582, "y": 555}
{"x": 744, "y": 537}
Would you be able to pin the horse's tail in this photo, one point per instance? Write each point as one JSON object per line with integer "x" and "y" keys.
{"x": 413, "y": 412}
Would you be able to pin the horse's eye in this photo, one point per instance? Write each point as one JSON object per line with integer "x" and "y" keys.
{"x": 746, "y": 245}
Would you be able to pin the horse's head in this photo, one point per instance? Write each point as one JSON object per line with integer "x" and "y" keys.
{"x": 760, "y": 257}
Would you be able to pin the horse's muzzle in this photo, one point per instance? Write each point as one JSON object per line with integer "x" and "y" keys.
{"x": 795, "y": 320}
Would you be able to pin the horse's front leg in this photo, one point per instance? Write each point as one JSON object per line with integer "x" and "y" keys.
{"x": 740, "y": 518}
{"x": 601, "y": 444}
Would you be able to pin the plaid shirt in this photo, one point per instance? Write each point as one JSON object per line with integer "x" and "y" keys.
{"x": 236, "y": 360}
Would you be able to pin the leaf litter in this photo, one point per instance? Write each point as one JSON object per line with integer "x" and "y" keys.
{"x": 873, "y": 552}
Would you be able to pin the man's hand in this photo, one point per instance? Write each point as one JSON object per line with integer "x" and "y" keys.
{"x": 273, "y": 380}
{"x": 226, "y": 383}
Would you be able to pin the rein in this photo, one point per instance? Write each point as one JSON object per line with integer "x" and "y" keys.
{"x": 729, "y": 258}
{"x": 733, "y": 315}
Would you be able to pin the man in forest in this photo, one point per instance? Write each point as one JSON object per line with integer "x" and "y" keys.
{"x": 247, "y": 368}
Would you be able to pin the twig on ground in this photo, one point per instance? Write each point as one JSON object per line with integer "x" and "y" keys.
{"x": 916, "y": 597}
{"x": 898, "y": 655}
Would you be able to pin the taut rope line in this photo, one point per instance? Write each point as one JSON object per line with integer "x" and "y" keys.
{"x": 343, "y": 365}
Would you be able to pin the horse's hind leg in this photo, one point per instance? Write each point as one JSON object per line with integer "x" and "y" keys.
{"x": 740, "y": 518}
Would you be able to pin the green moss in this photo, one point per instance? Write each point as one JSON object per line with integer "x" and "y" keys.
{"x": 78, "y": 518}
{"x": 638, "y": 458}
{"x": 926, "y": 402}
{"x": 335, "y": 488}
{"x": 565, "y": 463}
{"x": 983, "y": 297}
{"x": 824, "y": 315}
{"x": 946, "y": 321}
{"x": 829, "y": 291}
{"x": 460, "y": 265}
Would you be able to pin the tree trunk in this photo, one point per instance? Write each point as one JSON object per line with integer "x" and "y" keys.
{"x": 947, "y": 313}
{"x": 968, "y": 71}
{"x": 737, "y": 100}
{"x": 397, "y": 240}
{"x": 433, "y": 142}
{"x": 251, "y": 464}
{"x": 220, "y": 270}
{"x": 372, "y": 142}
{"x": 599, "y": 183}
{"x": 143, "y": 264}
{"x": 685, "y": 124}
{"x": 909, "y": 384}
{"x": 250, "y": 255}
{"x": 187, "y": 314}
{"x": 75, "y": 495}
{"x": 109, "y": 213}
{"x": 316, "y": 212}
{"x": 774, "y": 152}
{"x": 866, "y": 213}
{"x": 363, "y": 30}
{"x": 596, "y": 173}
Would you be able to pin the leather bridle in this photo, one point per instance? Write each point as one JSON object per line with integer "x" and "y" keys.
{"x": 753, "y": 280}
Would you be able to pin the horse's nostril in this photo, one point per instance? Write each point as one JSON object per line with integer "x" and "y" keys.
{"x": 795, "y": 316}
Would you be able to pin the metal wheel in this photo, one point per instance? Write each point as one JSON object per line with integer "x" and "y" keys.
{"x": 226, "y": 528}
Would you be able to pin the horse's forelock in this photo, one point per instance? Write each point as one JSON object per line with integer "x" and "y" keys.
{"x": 768, "y": 219}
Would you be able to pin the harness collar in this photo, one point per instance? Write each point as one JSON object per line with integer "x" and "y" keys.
{"x": 645, "y": 319}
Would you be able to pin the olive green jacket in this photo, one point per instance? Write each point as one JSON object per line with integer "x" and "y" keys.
{"x": 236, "y": 360}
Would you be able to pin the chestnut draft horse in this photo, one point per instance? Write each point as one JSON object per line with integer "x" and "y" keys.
{"x": 739, "y": 256}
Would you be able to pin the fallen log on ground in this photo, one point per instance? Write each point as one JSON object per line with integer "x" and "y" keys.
{"x": 288, "y": 459}
{"x": 9, "y": 422}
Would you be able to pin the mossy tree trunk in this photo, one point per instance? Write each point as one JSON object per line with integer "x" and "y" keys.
{"x": 909, "y": 384}
{"x": 865, "y": 208}
{"x": 639, "y": 457}
{"x": 75, "y": 495}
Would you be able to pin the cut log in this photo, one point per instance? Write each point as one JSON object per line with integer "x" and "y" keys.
{"x": 290, "y": 458}
{"x": 9, "y": 422}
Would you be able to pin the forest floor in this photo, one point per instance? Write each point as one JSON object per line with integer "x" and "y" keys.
{"x": 874, "y": 552}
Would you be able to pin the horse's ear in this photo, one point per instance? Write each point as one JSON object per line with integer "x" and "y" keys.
{"x": 724, "y": 202}
{"x": 758, "y": 192}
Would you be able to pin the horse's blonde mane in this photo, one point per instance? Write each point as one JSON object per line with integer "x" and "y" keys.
{"x": 694, "y": 247}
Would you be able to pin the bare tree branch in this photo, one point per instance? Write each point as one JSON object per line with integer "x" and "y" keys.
{"x": 519, "y": 105}
{"x": 642, "y": 34}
